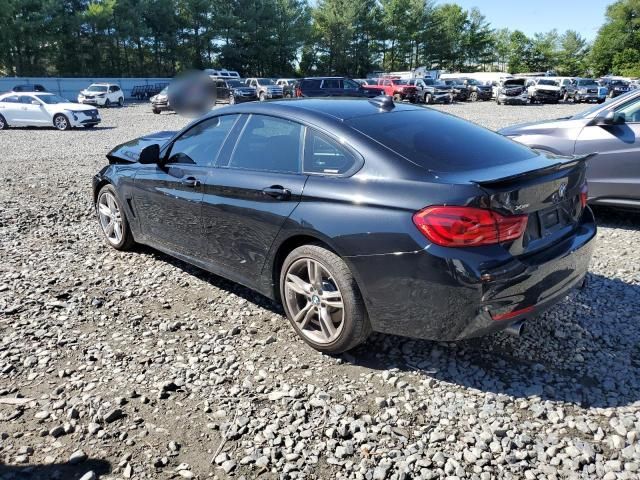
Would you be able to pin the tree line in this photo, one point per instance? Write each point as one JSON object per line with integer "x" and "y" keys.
{"x": 126, "y": 38}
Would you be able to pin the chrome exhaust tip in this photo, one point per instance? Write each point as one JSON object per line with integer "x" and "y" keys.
{"x": 515, "y": 329}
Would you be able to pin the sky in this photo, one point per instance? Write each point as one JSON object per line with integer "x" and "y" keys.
{"x": 532, "y": 16}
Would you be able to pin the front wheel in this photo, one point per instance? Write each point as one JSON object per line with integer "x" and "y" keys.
{"x": 428, "y": 99}
{"x": 121, "y": 102}
{"x": 107, "y": 103}
{"x": 397, "y": 98}
{"x": 473, "y": 97}
{"x": 262, "y": 97}
{"x": 322, "y": 301}
{"x": 156, "y": 111}
{"x": 232, "y": 100}
{"x": 113, "y": 220}
{"x": 61, "y": 122}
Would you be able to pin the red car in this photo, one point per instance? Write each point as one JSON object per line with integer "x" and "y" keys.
{"x": 396, "y": 88}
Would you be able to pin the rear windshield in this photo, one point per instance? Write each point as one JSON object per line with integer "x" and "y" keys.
{"x": 440, "y": 142}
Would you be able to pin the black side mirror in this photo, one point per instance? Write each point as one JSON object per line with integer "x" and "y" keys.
{"x": 150, "y": 154}
{"x": 610, "y": 118}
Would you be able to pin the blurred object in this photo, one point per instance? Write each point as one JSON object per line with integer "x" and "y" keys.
{"x": 192, "y": 94}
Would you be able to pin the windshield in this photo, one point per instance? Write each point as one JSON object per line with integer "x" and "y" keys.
{"x": 547, "y": 82}
{"x": 472, "y": 81}
{"x": 234, "y": 83}
{"x": 266, "y": 81}
{"x": 401, "y": 82}
{"x": 587, "y": 82}
{"x": 164, "y": 91}
{"x": 51, "y": 99}
{"x": 97, "y": 88}
{"x": 619, "y": 83}
{"x": 432, "y": 140}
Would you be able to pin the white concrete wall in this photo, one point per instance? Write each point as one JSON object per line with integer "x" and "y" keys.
{"x": 69, "y": 87}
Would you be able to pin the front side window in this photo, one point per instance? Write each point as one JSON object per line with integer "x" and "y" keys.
{"x": 200, "y": 144}
{"x": 27, "y": 99}
{"x": 629, "y": 112}
{"x": 51, "y": 99}
{"x": 268, "y": 144}
{"x": 350, "y": 84}
{"x": 323, "y": 155}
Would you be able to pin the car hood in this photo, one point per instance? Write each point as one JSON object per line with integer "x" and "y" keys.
{"x": 130, "y": 151}
{"x": 547, "y": 87}
{"x": 542, "y": 127}
{"x": 87, "y": 92}
{"x": 76, "y": 107}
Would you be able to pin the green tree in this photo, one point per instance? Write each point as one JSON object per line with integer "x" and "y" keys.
{"x": 620, "y": 32}
{"x": 572, "y": 54}
{"x": 519, "y": 52}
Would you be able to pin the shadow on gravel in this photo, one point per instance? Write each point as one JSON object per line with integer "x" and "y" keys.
{"x": 584, "y": 351}
{"x": 60, "y": 471}
{"x": 617, "y": 218}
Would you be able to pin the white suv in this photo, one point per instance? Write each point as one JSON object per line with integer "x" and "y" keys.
{"x": 102, "y": 94}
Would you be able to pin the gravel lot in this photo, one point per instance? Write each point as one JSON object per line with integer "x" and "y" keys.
{"x": 135, "y": 365}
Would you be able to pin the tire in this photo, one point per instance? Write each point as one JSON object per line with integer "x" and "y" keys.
{"x": 473, "y": 96}
{"x": 428, "y": 99}
{"x": 3, "y": 123}
{"x": 576, "y": 99}
{"x": 262, "y": 97}
{"x": 156, "y": 111}
{"x": 107, "y": 103}
{"x": 565, "y": 98}
{"x": 125, "y": 241}
{"x": 232, "y": 100}
{"x": 61, "y": 122}
{"x": 497, "y": 101}
{"x": 121, "y": 102}
{"x": 397, "y": 97}
{"x": 353, "y": 326}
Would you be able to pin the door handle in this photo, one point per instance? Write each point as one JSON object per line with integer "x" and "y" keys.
{"x": 277, "y": 191}
{"x": 190, "y": 182}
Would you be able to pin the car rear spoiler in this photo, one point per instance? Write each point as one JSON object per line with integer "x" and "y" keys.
{"x": 559, "y": 163}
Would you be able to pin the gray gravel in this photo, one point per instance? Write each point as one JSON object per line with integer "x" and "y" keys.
{"x": 135, "y": 365}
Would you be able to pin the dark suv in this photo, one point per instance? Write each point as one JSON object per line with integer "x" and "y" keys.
{"x": 459, "y": 89}
{"x": 477, "y": 90}
{"x": 234, "y": 91}
{"x": 334, "y": 87}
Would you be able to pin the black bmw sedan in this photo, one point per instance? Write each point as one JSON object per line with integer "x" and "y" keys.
{"x": 358, "y": 215}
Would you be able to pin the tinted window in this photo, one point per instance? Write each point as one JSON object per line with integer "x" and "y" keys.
{"x": 629, "y": 111}
{"x": 350, "y": 84}
{"x": 200, "y": 144}
{"x": 315, "y": 84}
{"x": 440, "y": 142}
{"x": 323, "y": 155}
{"x": 269, "y": 144}
{"x": 11, "y": 99}
{"x": 25, "y": 99}
{"x": 52, "y": 99}
{"x": 331, "y": 83}
{"x": 97, "y": 88}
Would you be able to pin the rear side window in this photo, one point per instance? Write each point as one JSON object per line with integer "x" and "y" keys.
{"x": 331, "y": 83}
{"x": 268, "y": 144}
{"x": 200, "y": 144}
{"x": 314, "y": 84}
{"x": 323, "y": 155}
{"x": 440, "y": 142}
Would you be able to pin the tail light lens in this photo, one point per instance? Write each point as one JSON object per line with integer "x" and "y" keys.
{"x": 584, "y": 195}
{"x": 468, "y": 226}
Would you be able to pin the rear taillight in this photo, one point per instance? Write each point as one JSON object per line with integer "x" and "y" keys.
{"x": 468, "y": 226}
{"x": 584, "y": 195}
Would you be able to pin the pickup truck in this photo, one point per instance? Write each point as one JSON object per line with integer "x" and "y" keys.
{"x": 431, "y": 91}
{"x": 396, "y": 88}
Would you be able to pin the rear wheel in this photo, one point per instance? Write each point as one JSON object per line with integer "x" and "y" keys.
{"x": 3, "y": 123}
{"x": 322, "y": 301}
{"x": 113, "y": 220}
{"x": 61, "y": 122}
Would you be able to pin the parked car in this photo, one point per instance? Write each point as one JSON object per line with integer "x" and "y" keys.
{"x": 288, "y": 86}
{"x": 28, "y": 87}
{"x": 334, "y": 87}
{"x": 458, "y": 88}
{"x": 102, "y": 94}
{"x": 512, "y": 90}
{"x": 266, "y": 88}
{"x": 160, "y": 102}
{"x": 234, "y": 91}
{"x": 432, "y": 91}
{"x": 43, "y": 109}
{"x": 563, "y": 83}
{"x": 543, "y": 90}
{"x": 616, "y": 87}
{"x": 612, "y": 131}
{"x": 396, "y": 88}
{"x": 585, "y": 90}
{"x": 476, "y": 89}
{"x": 453, "y": 239}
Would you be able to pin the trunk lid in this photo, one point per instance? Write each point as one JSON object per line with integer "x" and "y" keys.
{"x": 130, "y": 151}
{"x": 547, "y": 189}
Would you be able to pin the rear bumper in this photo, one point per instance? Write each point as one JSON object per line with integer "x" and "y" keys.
{"x": 432, "y": 294}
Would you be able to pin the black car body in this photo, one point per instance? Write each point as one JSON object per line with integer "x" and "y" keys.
{"x": 234, "y": 91}
{"x": 459, "y": 89}
{"x": 29, "y": 87}
{"x": 477, "y": 90}
{"x": 616, "y": 87}
{"x": 334, "y": 87}
{"x": 288, "y": 86}
{"x": 438, "y": 238}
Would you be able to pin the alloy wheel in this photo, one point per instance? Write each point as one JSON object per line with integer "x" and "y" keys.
{"x": 61, "y": 122}
{"x": 314, "y": 301}
{"x": 110, "y": 218}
